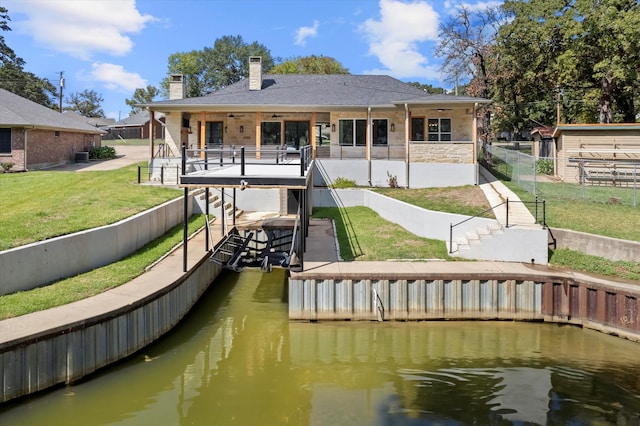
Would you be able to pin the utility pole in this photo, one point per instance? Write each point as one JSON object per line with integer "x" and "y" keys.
{"x": 61, "y": 86}
{"x": 558, "y": 102}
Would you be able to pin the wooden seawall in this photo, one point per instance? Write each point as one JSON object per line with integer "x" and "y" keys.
{"x": 401, "y": 291}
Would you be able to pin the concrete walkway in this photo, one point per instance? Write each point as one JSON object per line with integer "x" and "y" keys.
{"x": 497, "y": 193}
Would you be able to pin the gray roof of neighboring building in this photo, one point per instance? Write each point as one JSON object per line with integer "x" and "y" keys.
{"x": 313, "y": 91}
{"x": 139, "y": 119}
{"x": 16, "y": 111}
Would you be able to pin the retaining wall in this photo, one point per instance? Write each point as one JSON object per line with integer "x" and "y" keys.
{"x": 65, "y": 344}
{"x": 34, "y": 265}
{"x": 351, "y": 294}
{"x": 597, "y": 245}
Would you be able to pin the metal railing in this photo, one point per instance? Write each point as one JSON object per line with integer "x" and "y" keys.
{"x": 169, "y": 174}
{"x": 209, "y": 158}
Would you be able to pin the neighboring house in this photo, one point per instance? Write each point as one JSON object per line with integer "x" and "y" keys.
{"x": 543, "y": 146}
{"x": 99, "y": 122}
{"x": 597, "y": 153}
{"x": 381, "y": 125}
{"x": 136, "y": 126}
{"x": 33, "y": 136}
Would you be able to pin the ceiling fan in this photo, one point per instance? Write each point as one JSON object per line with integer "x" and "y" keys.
{"x": 276, "y": 116}
{"x": 232, "y": 115}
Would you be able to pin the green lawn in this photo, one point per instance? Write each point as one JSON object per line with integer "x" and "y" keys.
{"x": 95, "y": 282}
{"x": 43, "y": 204}
{"x": 364, "y": 235}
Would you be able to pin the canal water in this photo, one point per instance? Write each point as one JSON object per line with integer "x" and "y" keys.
{"x": 237, "y": 360}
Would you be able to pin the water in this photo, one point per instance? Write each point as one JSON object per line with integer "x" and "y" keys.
{"x": 237, "y": 360}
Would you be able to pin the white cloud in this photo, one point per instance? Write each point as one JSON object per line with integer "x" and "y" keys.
{"x": 303, "y": 33}
{"x": 81, "y": 28}
{"x": 394, "y": 39}
{"x": 114, "y": 77}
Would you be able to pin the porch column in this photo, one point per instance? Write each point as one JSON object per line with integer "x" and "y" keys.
{"x": 258, "y": 134}
{"x": 313, "y": 135}
{"x": 406, "y": 142}
{"x": 203, "y": 133}
{"x": 368, "y": 141}
{"x": 474, "y": 137}
{"x": 152, "y": 132}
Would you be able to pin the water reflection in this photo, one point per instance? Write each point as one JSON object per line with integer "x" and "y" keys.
{"x": 238, "y": 360}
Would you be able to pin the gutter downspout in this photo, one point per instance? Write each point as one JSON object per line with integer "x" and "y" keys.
{"x": 368, "y": 140}
{"x": 474, "y": 134}
{"x": 406, "y": 142}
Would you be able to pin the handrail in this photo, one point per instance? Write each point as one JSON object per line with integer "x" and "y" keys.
{"x": 536, "y": 202}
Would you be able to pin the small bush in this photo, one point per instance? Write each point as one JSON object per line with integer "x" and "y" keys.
{"x": 544, "y": 167}
{"x": 393, "y": 180}
{"x": 340, "y": 183}
{"x": 6, "y": 167}
{"x": 102, "y": 153}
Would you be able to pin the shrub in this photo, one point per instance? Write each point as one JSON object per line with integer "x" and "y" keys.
{"x": 6, "y": 167}
{"x": 102, "y": 153}
{"x": 544, "y": 167}
{"x": 343, "y": 183}
{"x": 393, "y": 180}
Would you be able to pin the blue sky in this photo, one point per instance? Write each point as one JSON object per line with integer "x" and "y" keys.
{"x": 116, "y": 46}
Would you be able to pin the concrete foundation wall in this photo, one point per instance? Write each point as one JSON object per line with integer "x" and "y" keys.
{"x": 596, "y": 245}
{"x": 421, "y": 175}
{"x": 34, "y": 265}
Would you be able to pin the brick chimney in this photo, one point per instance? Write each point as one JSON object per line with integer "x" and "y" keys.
{"x": 177, "y": 86}
{"x": 255, "y": 73}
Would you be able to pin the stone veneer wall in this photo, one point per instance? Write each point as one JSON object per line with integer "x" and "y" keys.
{"x": 442, "y": 152}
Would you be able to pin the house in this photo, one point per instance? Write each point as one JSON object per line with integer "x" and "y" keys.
{"x": 100, "y": 122}
{"x": 382, "y": 126}
{"x": 33, "y": 136}
{"x": 136, "y": 126}
{"x": 597, "y": 153}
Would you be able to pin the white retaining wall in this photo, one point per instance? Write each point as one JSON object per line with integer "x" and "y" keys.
{"x": 421, "y": 175}
{"x": 34, "y": 265}
{"x": 513, "y": 245}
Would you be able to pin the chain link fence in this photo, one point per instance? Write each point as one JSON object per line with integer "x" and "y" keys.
{"x": 598, "y": 180}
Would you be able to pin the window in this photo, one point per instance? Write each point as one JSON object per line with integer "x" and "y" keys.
{"x": 439, "y": 129}
{"x": 417, "y": 128}
{"x": 270, "y": 133}
{"x": 213, "y": 134}
{"x": 5, "y": 141}
{"x": 354, "y": 132}
{"x": 296, "y": 133}
{"x": 380, "y": 132}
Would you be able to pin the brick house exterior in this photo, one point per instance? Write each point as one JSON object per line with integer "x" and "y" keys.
{"x": 33, "y": 136}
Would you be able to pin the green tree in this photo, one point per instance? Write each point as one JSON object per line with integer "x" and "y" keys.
{"x": 85, "y": 103}
{"x": 427, "y": 88}
{"x": 310, "y": 65}
{"x": 142, "y": 95}
{"x": 582, "y": 53}
{"x": 216, "y": 67}
{"x": 13, "y": 77}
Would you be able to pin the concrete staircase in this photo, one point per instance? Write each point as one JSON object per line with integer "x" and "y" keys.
{"x": 475, "y": 238}
{"x": 215, "y": 204}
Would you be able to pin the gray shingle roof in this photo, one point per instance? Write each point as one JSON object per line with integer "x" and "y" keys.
{"x": 304, "y": 90}
{"x": 16, "y": 111}
{"x": 139, "y": 119}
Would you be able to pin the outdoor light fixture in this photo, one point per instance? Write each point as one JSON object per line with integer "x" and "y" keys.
{"x": 393, "y": 127}
{"x": 241, "y": 129}
{"x": 225, "y": 129}
{"x": 333, "y": 127}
